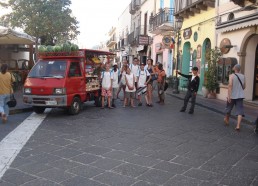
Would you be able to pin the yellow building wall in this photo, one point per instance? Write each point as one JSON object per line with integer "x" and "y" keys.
{"x": 204, "y": 25}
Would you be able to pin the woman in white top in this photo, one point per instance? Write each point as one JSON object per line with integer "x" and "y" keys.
{"x": 122, "y": 81}
{"x": 130, "y": 87}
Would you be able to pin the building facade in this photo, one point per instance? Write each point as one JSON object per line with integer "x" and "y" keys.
{"x": 162, "y": 27}
{"x": 197, "y": 35}
{"x": 237, "y": 29}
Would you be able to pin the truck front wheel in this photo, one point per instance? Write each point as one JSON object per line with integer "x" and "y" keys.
{"x": 75, "y": 106}
{"x": 39, "y": 110}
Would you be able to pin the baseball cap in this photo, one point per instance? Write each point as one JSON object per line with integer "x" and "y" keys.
{"x": 114, "y": 64}
{"x": 142, "y": 64}
{"x": 195, "y": 68}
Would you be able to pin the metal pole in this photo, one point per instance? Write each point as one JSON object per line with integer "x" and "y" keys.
{"x": 176, "y": 83}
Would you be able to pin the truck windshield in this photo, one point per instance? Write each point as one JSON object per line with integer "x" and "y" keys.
{"x": 48, "y": 69}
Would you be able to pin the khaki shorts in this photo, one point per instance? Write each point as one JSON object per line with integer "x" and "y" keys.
{"x": 129, "y": 95}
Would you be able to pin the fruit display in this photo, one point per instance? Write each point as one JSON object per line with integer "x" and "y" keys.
{"x": 66, "y": 48}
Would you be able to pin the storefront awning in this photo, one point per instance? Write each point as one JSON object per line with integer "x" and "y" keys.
{"x": 238, "y": 24}
{"x": 10, "y": 36}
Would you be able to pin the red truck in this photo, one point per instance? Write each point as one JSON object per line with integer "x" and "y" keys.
{"x": 61, "y": 80}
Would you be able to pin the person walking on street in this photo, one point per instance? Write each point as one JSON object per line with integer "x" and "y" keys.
{"x": 236, "y": 96}
{"x": 130, "y": 88}
{"x": 115, "y": 73}
{"x": 6, "y": 80}
{"x": 143, "y": 80}
{"x": 106, "y": 90}
{"x": 192, "y": 89}
{"x": 161, "y": 84}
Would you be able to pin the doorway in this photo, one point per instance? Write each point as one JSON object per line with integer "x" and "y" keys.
{"x": 255, "y": 94}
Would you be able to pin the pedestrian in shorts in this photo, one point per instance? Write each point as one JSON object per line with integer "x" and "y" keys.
{"x": 236, "y": 96}
{"x": 106, "y": 90}
{"x": 130, "y": 88}
{"x": 143, "y": 80}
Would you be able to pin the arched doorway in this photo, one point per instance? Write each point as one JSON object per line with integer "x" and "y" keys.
{"x": 185, "y": 62}
{"x": 255, "y": 93}
{"x": 205, "y": 48}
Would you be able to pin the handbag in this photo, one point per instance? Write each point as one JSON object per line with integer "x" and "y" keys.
{"x": 12, "y": 102}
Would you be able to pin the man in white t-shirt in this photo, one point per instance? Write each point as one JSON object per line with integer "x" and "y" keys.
{"x": 115, "y": 85}
{"x": 134, "y": 67}
{"x": 107, "y": 80}
{"x": 143, "y": 79}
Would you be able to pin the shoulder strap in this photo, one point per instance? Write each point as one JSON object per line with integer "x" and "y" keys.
{"x": 240, "y": 81}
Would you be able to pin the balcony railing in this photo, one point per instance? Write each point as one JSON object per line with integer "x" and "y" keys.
{"x": 138, "y": 36}
{"x": 134, "y": 6}
{"x": 164, "y": 16}
{"x": 188, "y": 8}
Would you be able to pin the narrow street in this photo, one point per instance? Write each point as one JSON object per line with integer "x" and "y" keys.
{"x": 136, "y": 146}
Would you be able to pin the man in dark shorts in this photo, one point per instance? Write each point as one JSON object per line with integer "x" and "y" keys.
{"x": 235, "y": 97}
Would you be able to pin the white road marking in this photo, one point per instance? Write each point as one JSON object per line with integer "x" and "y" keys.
{"x": 11, "y": 145}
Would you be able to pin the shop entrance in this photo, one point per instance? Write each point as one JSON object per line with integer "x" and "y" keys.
{"x": 255, "y": 94}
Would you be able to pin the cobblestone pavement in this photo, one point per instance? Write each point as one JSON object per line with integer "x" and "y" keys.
{"x": 137, "y": 146}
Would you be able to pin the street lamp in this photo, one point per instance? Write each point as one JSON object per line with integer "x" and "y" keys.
{"x": 178, "y": 26}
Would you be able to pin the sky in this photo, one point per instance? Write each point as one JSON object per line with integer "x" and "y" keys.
{"x": 96, "y": 18}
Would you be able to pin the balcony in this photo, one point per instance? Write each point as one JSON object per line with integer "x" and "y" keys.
{"x": 188, "y": 8}
{"x": 242, "y": 2}
{"x": 138, "y": 37}
{"x": 162, "y": 21}
{"x": 111, "y": 42}
{"x": 124, "y": 43}
{"x": 134, "y": 6}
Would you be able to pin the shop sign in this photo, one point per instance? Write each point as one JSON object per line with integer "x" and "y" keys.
{"x": 143, "y": 40}
{"x": 187, "y": 33}
{"x": 140, "y": 48}
{"x": 167, "y": 40}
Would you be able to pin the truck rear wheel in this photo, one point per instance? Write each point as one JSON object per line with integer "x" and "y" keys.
{"x": 39, "y": 110}
{"x": 75, "y": 106}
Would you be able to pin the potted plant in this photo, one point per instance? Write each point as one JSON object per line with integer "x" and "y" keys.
{"x": 211, "y": 83}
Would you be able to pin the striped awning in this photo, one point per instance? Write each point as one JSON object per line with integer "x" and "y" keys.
{"x": 237, "y": 26}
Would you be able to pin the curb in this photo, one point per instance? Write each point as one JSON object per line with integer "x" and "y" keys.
{"x": 245, "y": 120}
{"x": 20, "y": 110}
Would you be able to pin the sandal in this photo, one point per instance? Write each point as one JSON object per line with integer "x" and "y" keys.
{"x": 226, "y": 121}
{"x": 4, "y": 118}
{"x": 237, "y": 129}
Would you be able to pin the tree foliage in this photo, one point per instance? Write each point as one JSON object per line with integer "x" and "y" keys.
{"x": 48, "y": 20}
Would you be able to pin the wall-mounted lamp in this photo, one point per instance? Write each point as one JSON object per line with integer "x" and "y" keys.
{"x": 229, "y": 46}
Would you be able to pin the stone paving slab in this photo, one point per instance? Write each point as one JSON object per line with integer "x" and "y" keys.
{"x": 156, "y": 146}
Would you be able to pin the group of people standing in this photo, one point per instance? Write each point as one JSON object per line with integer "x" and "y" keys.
{"x": 136, "y": 80}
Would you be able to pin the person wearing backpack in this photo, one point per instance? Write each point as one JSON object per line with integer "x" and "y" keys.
{"x": 106, "y": 90}
{"x": 143, "y": 80}
{"x": 134, "y": 67}
{"x": 161, "y": 83}
{"x": 130, "y": 88}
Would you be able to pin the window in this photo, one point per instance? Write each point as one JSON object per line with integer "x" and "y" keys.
{"x": 75, "y": 70}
